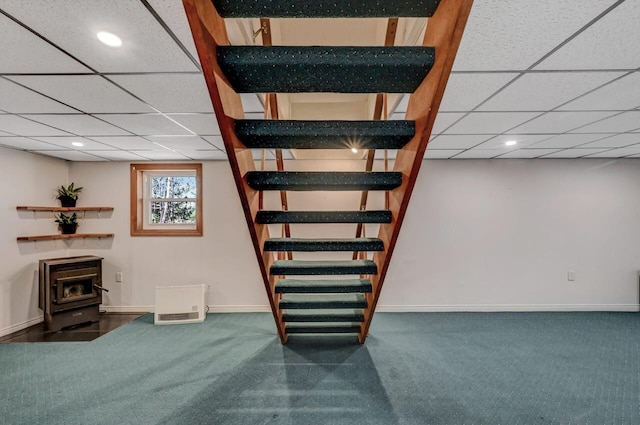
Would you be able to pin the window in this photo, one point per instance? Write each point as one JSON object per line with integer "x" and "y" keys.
{"x": 166, "y": 199}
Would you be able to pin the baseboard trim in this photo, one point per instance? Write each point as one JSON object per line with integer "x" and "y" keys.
{"x": 21, "y": 326}
{"x": 212, "y": 309}
{"x": 127, "y": 308}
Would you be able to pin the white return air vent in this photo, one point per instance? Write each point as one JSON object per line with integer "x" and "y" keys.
{"x": 179, "y": 304}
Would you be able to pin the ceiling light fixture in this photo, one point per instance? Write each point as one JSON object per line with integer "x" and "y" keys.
{"x": 354, "y": 150}
{"x": 109, "y": 39}
{"x": 510, "y": 143}
{"x": 78, "y": 144}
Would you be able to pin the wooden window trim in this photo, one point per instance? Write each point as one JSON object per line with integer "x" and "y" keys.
{"x": 136, "y": 199}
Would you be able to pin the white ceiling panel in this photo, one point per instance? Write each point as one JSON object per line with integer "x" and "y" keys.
{"x": 172, "y": 13}
{"x": 618, "y": 153}
{"x": 251, "y": 103}
{"x": 514, "y": 34}
{"x": 206, "y": 155}
{"x": 81, "y": 125}
{"x": 619, "y": 95}
{"x": 181, "y": 143}
{"x": 625, "y": 121}
{"x": 464, "y": 141}
{"x": 527, "y": 153}
{"x": 541, "y": 92}
{"x": 466, "y": 91}
{"x": 559, "y": 122}
{"x": 257, "y": 116}
{"x": 146, "y": 124}
{"x": 146, "y": 46}
{"x": 489, "y": 122}
{"x": 118, "y": 155}
{"x": 610, "y": 43}
{"x": 443, "y": 121}
{"x": 25, "y": 143}
{"x": 521, "y": 139}
{"x": 479, "y": 153}
{"x": 66, "y": 142}
{"x": 215, "y": 141}
{"x": 89, "y": 93}
{"x": 169, "y": 92}
{"x": 71, "y": 155}
{"x": 573, "y": 153}
{"x": 126, "y": 142}
{"x": 204, "y": 124}
{"x": 440, "y": 153}
{"x": 617, "y": 141}
{"x": 564, "y": 141}
{"x": 161, "y": 155}
{"x": 23, "y": 127}
{"x": 17, "y": 99}
{"x": 23, "y": 52}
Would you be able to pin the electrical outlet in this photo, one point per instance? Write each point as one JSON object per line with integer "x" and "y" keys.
{"x": 571, "y": 275}
{"x": 118, "y": 276}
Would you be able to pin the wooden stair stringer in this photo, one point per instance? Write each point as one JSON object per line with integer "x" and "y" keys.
{"x": 444, "y": 32}
{"x": 209, "y": 31}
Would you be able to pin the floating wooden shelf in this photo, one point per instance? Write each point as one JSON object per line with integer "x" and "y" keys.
{"x": 62, "y": 209}
{"x": 61, "y": 236}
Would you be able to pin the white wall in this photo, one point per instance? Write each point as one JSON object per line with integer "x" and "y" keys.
{"x": 479, "y": 235}
{"x": 27, "y": 179}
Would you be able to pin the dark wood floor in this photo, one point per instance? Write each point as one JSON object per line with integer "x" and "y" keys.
{"x": 79, "y": 333}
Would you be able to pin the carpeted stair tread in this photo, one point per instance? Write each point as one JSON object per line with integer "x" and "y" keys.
{"x": 284, "y": 134}
{"x": 322, "y": 301}
{"x": 325, "y": 8}
{"x": 323, "y": 180}
{"x": 331, "y": 316}
{"x": 324, "y": 329}
{"x": 278, "y": 217}
{"x": 309, "y": 286}
{"x": 330, "y": 69}
{"x": 338, "y": 267}
{"x": 313, "y": 245}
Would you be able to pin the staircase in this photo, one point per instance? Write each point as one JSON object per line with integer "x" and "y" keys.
{"x": 309, "y": 296}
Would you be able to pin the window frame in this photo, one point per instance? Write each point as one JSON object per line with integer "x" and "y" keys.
{"x": 139, "y": 223}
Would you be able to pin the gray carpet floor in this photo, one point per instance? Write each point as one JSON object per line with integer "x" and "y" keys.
{"x": 415, "y": 368}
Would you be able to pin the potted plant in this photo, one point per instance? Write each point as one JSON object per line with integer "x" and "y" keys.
{"x": 68, "y": 223}
{"x": 68, "y": 195}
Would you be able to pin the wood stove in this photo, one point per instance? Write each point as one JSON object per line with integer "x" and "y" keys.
{"x": 70, "y": 290}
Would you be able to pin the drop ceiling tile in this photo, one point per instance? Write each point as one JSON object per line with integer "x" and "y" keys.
{"x": 621, "y": 94}
{"x": 145, "y": 124}
{"x": 489, "y": 122}
{"x": 573, "y": 153}
{"x": 181, "y": 143}
{"x": 563, "y": 141}
{"x": 17, "y": 99}
{"x": 81, "y": 125}
{"x": 618, "y": 153}
{"x": 71, "y": 155}
{"x": 440, "y": 153}
{"x": 66, "y": 142}
{"x": 257, "y": 154}
{"x": 391, "y": 154}
{"x": 610, "y": 43}
{"x": 523, "y": 140}
{"x": 479, "y": 154}
{"x": 256, "y": 116}
{"x": 514, "y": 34}
{"x": 25, "y": 143}
{"x": 206, "y": 155}
{"x": 169, "y": 92}
{"x": 172, "y": 13}
{"x": 464, "y": 141}
{"x": 118, "y": 155}
{"x": 146, "y": 46}
{"x": 15, "y": 41}
{"x": 621, "y": 123}
{"x": 402, "y": 104}
{"x": 466, "y": 91}
{"x": 559, "y": 122}
{"x": 443, "y": 120}
{"x": 161, "y": 155}
{"x": 24, "y": 127}
{"x": 126, "y": 142}
{"x": 527, "y": 153}
{"x": 251, "y": 103}
{"x": 545, "y": 91}
{"x": 617, "y": 141}
{"x": 215, "y": 141}
{"x": 88, "y": 93}
{"x": 203, "y": 124}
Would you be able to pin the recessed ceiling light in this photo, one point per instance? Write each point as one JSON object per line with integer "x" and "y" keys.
{"x": 109, "y": 39}
{"x": 78, "y": 144}
{"x": 354, "y": 150}
{"x": 510, "y": 143}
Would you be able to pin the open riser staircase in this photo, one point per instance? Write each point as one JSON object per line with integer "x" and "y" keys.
{"x": 309, "y": 293}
